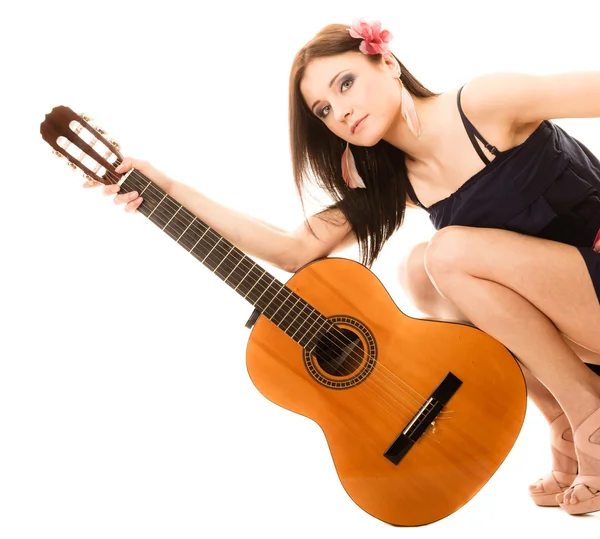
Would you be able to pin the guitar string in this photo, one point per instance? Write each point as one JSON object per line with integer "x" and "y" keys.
{"x": 115, "y": 179}
{"x": 168, "y": 204}
{"x": 239, "y": 264}
{"x": 145, "y": 180}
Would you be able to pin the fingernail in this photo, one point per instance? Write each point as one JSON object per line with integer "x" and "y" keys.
{"x": 119, "y": 168}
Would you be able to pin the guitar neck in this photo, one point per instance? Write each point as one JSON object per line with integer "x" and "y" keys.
{"x": 268, "y": 295}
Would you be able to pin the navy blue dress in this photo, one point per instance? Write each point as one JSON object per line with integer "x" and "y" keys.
{"x": 548, "y": 187}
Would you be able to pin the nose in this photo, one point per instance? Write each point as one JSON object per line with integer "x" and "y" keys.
{"x": 342, "y": 112}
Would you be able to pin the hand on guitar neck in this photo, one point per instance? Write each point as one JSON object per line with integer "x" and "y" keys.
{"x": 132, "y": 200}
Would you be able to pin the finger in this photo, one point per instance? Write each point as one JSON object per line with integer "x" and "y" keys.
{"x": 133, "y": 206}
{"x": 111, "y": 189}
{"x": 91, "y": 183}
{"x": 125, "y": 166}
{"x": 129, "y": 163}
{"x": 126, "y": 197}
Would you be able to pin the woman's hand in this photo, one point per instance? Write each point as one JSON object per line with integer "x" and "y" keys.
{"x": 132, "y": 200}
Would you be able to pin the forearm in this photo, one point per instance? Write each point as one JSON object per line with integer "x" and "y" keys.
{"x": 253, "y": 236}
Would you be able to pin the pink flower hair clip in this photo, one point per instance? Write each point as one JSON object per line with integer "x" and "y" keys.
{"x": 375, "y": 40}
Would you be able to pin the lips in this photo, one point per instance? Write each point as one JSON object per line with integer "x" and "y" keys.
{"x": 357, "y": 124}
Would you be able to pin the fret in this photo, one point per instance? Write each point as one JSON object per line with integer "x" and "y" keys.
{"x": 144, "y": 189}
{"x": 234, "y": 268}
{"x": 186, "y": 229}
{"x": 218, "y": 241}
{"x": 276, "y": 296}
{"x": 223, "y": 269}
{"x": 178, "y": 227}
{"x": 299, "y": 320}
{"x": 272, "y": 298}
{"x": 257, "y": 281}
{"x": 199, "y": 239}
{"x": 303, "y": 324}
{"x": 228, "y": 253}
{"x": 172, "y": 217}
{"x": 158, "y": 204}
{"x": 293, "y": 313}
{"x": 157, "y": 217}
{"x": 244, "y": 276}
{"x": 285, "y": 312}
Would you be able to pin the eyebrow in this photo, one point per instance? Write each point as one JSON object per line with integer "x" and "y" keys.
{"x": 330, "y": 85}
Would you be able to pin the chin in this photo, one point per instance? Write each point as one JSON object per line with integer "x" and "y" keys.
{"x": 370, "y": 140}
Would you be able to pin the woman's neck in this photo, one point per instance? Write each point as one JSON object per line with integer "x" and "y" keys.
{"x": 425, "y": 148}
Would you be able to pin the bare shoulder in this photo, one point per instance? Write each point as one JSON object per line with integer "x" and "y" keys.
{"x": 487, "y": 100}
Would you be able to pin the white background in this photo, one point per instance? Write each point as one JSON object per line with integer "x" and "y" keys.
{"x": 125, "y": 407}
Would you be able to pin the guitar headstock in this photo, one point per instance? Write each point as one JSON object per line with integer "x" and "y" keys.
{"x": 83, "y": 145}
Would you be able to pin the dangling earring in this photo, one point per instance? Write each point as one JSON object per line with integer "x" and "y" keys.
{"x": 349, "y": 171}
{"x": 408, "y": 111}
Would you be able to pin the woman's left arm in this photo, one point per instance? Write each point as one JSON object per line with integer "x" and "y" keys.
{"x": 525, "y": 99}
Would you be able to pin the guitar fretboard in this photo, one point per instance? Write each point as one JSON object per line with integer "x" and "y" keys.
{"x": 273, "y": 299}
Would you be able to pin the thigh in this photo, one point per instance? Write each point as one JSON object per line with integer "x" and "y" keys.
{"x": 551, "y": 275}
{"x": 587, "y": 355}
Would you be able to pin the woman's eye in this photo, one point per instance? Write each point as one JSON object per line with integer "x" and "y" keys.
{"x": 324, "y": 111}
{"x": 347, "y": 84}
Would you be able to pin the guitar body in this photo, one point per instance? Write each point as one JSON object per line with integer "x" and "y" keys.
{"x": 404, "y": 359}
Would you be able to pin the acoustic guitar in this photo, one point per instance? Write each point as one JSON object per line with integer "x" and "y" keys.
{"x": 418, "y": 414}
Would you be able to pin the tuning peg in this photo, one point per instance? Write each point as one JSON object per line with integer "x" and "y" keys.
{"x": 89, "y": 179}
{"x": 85, "y": 117}
{"x": 72, "y": 165}
{"x": 58, "y": 154}
{"x": 115, "y": 144}
{"x": 99, "y": 130}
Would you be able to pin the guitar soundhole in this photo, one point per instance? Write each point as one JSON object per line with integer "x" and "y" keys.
{"x": 344, "y": 356}
{"x": 339, "y": 352}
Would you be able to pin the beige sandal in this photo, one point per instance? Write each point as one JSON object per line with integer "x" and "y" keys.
{"x": 556, "y": 481}
{"x": 586, "y": 488}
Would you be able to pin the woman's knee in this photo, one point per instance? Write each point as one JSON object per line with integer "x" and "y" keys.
{"x": 419, "y": 289}
{"x": 414, "y": 279}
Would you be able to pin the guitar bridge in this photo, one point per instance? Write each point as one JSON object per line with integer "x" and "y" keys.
{"x": 423, "y": 418}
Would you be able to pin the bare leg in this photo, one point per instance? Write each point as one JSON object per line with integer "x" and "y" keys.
{"x": 521, "y": 290}
{"x": 564, "y": 459}
{"x": 418, "y": 287}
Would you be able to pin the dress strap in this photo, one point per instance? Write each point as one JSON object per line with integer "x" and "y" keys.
{"x": 472, "y": 132}
{"x": 413, "y": 195}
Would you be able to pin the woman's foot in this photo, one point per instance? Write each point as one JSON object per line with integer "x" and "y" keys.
{"x": 583, "y": 496}
{"x": 564, "y": 465}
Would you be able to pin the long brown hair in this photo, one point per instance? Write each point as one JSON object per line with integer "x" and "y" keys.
{"x": 376, "y": 212}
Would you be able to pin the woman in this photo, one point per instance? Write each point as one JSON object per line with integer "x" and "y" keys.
{"x": 516, "y": 201}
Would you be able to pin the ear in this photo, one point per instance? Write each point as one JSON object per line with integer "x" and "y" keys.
{"x": 392, "y": 64}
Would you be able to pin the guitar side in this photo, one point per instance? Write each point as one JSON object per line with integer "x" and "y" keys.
{"x": 474, "y": 432}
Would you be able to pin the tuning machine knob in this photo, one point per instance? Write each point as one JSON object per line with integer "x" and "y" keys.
{"x": 115, "y": 144}
{"x": 85, "y": 117}
{"x": 58, "y": 154}
{"x": 99, "y": 130}
{"x": 72, "y": 165}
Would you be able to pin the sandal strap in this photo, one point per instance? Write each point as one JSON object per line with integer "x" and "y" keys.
{"x": 592, "y": 481}
{"x": 585, "y": 431}
{"x": 557, "y": 428}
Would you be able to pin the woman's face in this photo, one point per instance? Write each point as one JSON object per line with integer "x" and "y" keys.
{"x": 355, "y": 98}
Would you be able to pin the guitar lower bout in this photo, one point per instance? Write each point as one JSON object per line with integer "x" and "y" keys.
{"x": 418, "y": 414}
